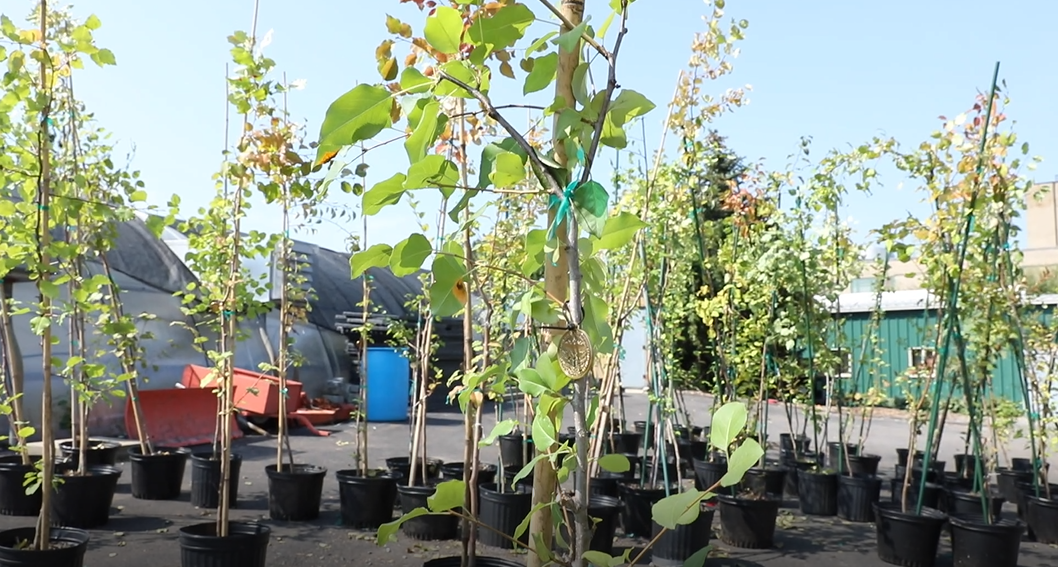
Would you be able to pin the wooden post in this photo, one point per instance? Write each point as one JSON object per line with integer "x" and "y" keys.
{"x": 556, "y": 279}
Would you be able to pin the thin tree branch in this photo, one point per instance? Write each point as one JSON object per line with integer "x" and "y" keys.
{"x": 611, "y": 86}
{"x": 500, "y": 107}
{"x": 542, "y": 172}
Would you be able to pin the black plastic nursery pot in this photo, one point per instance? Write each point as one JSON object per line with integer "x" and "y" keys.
{"x": 454, "y": 471}
{"x": 604, "y": 485}
{"x": 626, "y": 443}
{"x": 966, "y": 465}
{"x": 206, "y": 479}
{"x": 636, "y": 513}
{"x": 837, "y": 456}
{"x": 1008, "y": 480}
{"x": 1025, "y": 489}
{"x": 747, "y": 522}
{"x": 1021, "y": 464}
{"x": 99, "y": 452}
{"x": 968, "y": 504}
{"x": 502, "y": 512}
{"x": 515, "y": 450}
{"x": 675, "y": 546}
{"x": 857, "y": 496}
{"x": 84, "y": 501}
{"x": 367, "y": 500}
{"x": 767, "y": 480}
{"x": 975, "y": 543}
{"x": 689, "y": 450}
{"x": 708, "y": 473}
{"x": 607, "y": 510}
{"x": 650, "y": 472}
{"x": 13, "y": 498}
{"x": 294, "y": 492}
{"x": 902, "y": 454}
{"x": 431, "y": 527}
{"x": 930, "y": 498}
{"x": 67, "y": 549}
{"x": 787, "y": 443}
{"x": 1042, "y": 517}
{"x": 907, "y": 539}
{"x": 402, "y": 466}
{"x": 509, "y": 474}
{"x": 246, "y": 545}
{"x": 158, "y": 476}
{"x": 864, "y": 465}
{"x": 817, "y": 493}
{"x": 478, "y": 560}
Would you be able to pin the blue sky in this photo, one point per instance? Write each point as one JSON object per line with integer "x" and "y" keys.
{"x": 835, "y": 70}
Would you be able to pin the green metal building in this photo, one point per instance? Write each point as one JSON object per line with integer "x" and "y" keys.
{"x": 907, "y": 333}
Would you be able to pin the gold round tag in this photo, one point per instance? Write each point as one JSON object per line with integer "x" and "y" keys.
{"x": 575, "y": 355}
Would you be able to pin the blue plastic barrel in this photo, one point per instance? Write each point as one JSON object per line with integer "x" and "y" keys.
{"x": 388, "y": 383}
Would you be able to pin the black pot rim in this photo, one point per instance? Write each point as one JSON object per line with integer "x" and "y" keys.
{"x": 482, "y": 467}
{"x": 299, "y": 470}
{"x": 76, "y": 536}
{"x": 860, "y": 480}
{"x": 417, "y": 490}
{"x": 208, "y": 456}
{"x": 188, "y": 532}
{"x": 484, "y": 561}
{"x": 356, "y": 476}
{"x": 894, "y": 511}
{"x": 172, "y": 453}
{"x": 97, "y": 471}
{"x": 1040, "y": 501}
{"x": 866, "y": 457}
{"x": 94, "y": 445}
{"x": 976, "y": 524}
{"x": 736, "y": 500}
{"x": 407, "y": 460}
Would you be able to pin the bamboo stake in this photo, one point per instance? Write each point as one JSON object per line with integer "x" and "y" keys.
{"x": 42, "y": 539}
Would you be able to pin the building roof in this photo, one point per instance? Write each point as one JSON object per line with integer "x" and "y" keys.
{"x": 906, "y": 300}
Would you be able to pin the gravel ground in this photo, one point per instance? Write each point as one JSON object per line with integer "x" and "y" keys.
{"x": 145, "y": 533}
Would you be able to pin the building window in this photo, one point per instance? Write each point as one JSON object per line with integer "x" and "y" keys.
{"x": 862, "y": 285}
{"x": 844, "y": 363}
{"x": 920, "y": 360}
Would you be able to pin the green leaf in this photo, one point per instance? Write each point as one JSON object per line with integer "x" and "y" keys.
{"x": 138, "y": 196}
{"x": 530, "y": 382}
{"x": 386, "y": 532}
{"x": 409, "y": 254}
{"x": 357, "y": 115}
{"x": 543, "y": 73}
{"x": 383, "y": 193}
{"x": 93, "y": 22}
{"x": 48, "y": 289}
{"x": 500, "y": 429}
{"x": 503, "y": 29}
{"x": 444, "y": 30}
{"x": 26, "y": 432}
{"x": 580, "y": 84}
{"x": 449, "y": 495}
{"x": 743, "y": 459}
{"x": 569, "y": 40}
{"x": 448, "y": 272}
{"x": 678, "y": 510}
{"x": 489, "y": 154}
{"x": 412, "y": 81}
{"x": 544, "y": 434}
{"x": 508, "y": 170}
{"x": 597, "y": 558}
{"x": 104, "y": 57}
{"x": 589, "y": 201}
{"x": 528, "y": 468}
{"x": 596, "y": 324}
{"x": 615, "y": 463}
{"x": 619, "y": 230}
{"x": 628, "y": 105}
{"x": 535, "y": 241}
{"x": 727, "y": 423}
{"x": 697, "y": 559}
{"x": 433, "y": 171}
{"x": 425, "y": 133}
{"x": 477, "y": 77}
{"x": 539, "y": 44}
{"x": 377, "y": 256}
